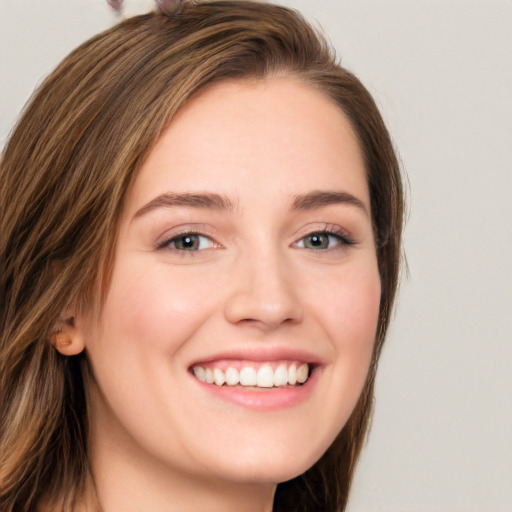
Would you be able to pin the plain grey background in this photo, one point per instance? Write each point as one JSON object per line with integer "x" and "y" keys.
{"x": 441, "y": 72}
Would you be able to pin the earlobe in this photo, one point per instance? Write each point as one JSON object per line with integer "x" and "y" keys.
{"x": 68, "y": 338}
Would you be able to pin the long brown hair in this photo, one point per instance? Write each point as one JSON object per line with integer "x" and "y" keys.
{"x": 63, "y": 177}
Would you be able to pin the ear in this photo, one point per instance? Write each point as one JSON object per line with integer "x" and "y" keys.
{"x": 69, "y": 338}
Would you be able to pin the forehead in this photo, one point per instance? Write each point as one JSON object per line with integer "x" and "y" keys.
{"x": 278, "y": 135}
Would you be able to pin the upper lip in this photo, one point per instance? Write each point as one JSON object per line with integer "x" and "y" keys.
{"x": 263, "y": 354}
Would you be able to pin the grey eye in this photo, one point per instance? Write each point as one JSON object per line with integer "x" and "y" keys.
{"x": 319, "y": 241}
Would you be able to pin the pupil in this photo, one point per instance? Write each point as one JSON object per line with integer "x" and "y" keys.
{"x": 317, "y": 241}
{"x": 189, "y": 242}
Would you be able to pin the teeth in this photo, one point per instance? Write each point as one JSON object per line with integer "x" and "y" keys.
{"x": 292, "y": 375}
{"x": 281, "y": 376}
{"x": 200, "y": 373}
{"x": 248, "y": 376}
{"x": 218, "y": 377}
{"x": 232, "y": 377}
{"x": 264, "y": 377}
{"x": 302, "y": 373}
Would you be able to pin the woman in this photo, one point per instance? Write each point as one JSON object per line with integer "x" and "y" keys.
{"x": 197, "y": 271}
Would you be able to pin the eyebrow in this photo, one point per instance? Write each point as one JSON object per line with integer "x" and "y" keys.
{"x": 202, "y": 200}
{"x": 319, "y": 198}
{"x": 303, "y": 202}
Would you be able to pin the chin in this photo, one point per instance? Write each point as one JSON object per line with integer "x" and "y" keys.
{"x": 265, "y": 466}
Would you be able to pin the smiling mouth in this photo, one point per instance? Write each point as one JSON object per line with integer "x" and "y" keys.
{"x": 253, "y": 375}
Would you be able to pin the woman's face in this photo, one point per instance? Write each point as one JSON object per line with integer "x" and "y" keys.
{"x": 245, "y": 254}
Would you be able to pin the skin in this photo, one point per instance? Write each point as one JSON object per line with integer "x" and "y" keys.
{"x": 160, "y": 440}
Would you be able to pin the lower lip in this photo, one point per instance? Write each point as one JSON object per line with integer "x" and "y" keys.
{"x": 267, "y": 399}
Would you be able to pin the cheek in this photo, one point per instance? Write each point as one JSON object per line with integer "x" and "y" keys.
{"x": 357, "y": 322}
{"x": 362, "y": 306}
{"x": 350, "y": 318}
{"x": 154, "y": 307}
{"x": 349, "y": 308}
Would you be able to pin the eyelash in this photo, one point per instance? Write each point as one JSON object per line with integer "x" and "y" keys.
{"x": 342, "y": 238}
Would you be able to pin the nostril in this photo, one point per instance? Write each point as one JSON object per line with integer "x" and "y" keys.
{"x": 256, "y": 309}
{"x": 261, "y": 317}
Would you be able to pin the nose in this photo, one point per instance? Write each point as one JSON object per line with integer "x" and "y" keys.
{"x": 263, "y": 294}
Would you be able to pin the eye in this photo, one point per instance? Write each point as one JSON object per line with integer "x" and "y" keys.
{"x": 323, "y": 240}
{"x": 189, "y": 242}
